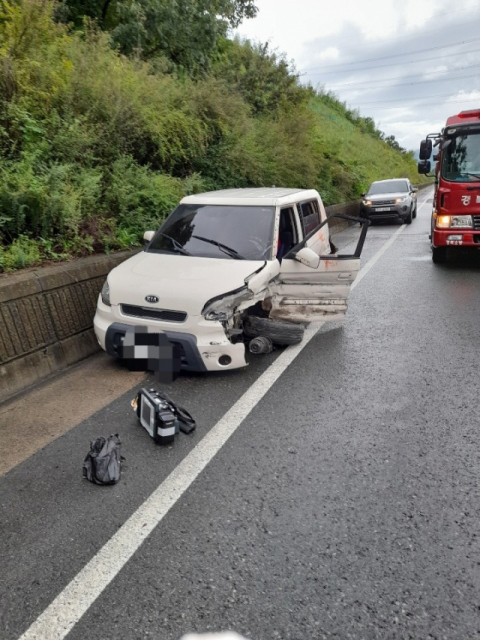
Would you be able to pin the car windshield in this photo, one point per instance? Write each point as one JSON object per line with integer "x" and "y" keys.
{"x": 217, "y": 231}
{"x": 389, "y": 186}
{"x": 461, "y": 158}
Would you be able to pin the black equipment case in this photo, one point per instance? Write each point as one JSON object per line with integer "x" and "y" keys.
{"x": 156, "y": 416}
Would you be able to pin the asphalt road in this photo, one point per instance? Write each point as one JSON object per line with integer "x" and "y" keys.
{"x": 345, "y": 505}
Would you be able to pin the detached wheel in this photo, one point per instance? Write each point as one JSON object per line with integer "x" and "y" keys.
{"x": 281, "y": 333}
{"x": 439, "y": 255}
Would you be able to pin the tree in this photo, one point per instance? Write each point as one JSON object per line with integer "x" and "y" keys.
{"x": 265, "y": 78}
{"x": 185, "y": 31}
{"x": 390, "y": 140}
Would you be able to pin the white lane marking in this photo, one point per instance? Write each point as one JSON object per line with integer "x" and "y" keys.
{"x": 73, "y": 602}
{"x": 70, "y": 605}
{"x": 363, "y": 272}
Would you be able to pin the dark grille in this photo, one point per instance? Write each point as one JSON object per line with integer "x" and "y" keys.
{"x": 476, "y": 223}
{"x": 154, "y": 314}
{"x": 179, "y": 350}
{"x": 382, "y": 203}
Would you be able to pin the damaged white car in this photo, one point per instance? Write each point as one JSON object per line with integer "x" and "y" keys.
{"x": 227, "y": 267}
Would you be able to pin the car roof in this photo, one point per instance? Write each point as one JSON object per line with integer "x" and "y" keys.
{"x": 389, "y": 180}
{"x": 262, "y": 196}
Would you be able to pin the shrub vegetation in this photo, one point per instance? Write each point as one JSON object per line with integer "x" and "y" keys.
{"x": 109, "y": 114}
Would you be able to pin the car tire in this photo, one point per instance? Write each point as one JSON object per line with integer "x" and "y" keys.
{"x": 408, "y": 219}
{"x": 415, "y": 212}
{"x": 279, "y": 332}
{"x": 439, "y": 255}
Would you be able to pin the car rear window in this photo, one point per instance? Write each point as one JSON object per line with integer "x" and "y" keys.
{"x": 390, "y": 186}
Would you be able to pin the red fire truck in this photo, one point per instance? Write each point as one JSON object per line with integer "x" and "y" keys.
{"x": 456, "y": 203}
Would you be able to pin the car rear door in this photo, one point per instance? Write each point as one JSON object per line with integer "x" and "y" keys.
{"x": 301, "y": 293}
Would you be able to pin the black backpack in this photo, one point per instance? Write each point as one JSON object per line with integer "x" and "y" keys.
{"x": 102, "y": 464}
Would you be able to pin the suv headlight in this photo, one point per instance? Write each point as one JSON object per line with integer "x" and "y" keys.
{"x": 106, "y": 294}
{"x": 367, "y": 203}
{"x": 452, "y": 222}
{"x": 401, "y": 199}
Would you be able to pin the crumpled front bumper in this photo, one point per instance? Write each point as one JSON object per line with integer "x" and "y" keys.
{"x": 201, "y": 344}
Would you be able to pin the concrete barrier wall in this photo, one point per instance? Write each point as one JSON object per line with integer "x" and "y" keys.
{"x": 348, "y": 209}
{"x": 46, "y": 319}
{"x": 46, "y": 314}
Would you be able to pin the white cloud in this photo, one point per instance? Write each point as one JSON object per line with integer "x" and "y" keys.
{"x": 331, "y": 53}
{"x": 464, "y": 101}
{"x": 408, "y": 95}
{"x": 435, "y": 72}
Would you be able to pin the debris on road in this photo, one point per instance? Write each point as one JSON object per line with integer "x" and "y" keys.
{"x": 102, "y": 464}
{"x": 161, "y": 416}
{"x": 260, "y": 345}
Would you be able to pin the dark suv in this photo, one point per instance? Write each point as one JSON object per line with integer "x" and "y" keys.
{"x": 390, "y": 200}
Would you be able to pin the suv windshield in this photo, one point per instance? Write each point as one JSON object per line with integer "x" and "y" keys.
{"x": 461, "y": 158}
{"x": 217, "y": 231}
{"x": 390, "y": 186}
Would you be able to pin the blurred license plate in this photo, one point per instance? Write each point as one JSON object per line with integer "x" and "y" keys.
{"x": 382, "y": 209}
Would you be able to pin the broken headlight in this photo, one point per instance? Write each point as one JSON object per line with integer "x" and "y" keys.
{"x": 219, "y": 316}
{"x": 223, "y": 307}
{"x": 106, "y": 294}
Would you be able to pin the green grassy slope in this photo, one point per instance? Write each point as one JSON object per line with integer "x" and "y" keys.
{"x": 357, "y": 158}
{"x": 96, "y": 147}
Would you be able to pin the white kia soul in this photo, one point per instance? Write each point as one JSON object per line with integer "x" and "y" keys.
{"x": 222, "y": 258}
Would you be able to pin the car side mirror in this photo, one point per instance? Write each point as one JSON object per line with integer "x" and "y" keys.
{"x": 148, "y": 235}
{"x": 362, "y": 195}
{"x": 308, "y": 257}
{"x": 424, "y": 166}
{"x": 414, "y": 189}
{"x": 425, "y": 149}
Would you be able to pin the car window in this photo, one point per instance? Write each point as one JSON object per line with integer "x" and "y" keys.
{"x": 199, "y": 230}
{"x": 461, "y": 158}
{"x": 309, "y": 215}
{"x": 389, "y": 186}
{"x": 287, "y": 232}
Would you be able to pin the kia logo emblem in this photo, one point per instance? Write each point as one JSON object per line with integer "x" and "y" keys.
{"x": 151, "y": 299}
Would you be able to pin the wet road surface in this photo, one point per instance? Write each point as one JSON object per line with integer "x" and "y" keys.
{"x": 345, "y": 505}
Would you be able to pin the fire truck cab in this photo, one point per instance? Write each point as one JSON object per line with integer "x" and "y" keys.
{"x": 456, "y": 203}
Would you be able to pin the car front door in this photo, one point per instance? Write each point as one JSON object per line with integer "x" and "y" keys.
{"x": 312, "y": 284}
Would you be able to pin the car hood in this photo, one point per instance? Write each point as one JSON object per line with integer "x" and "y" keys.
{"x": 386, "y": 196}
{"x": 181, "y": 283}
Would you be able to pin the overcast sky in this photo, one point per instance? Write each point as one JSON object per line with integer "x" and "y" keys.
{"x": 408, "y": 65}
